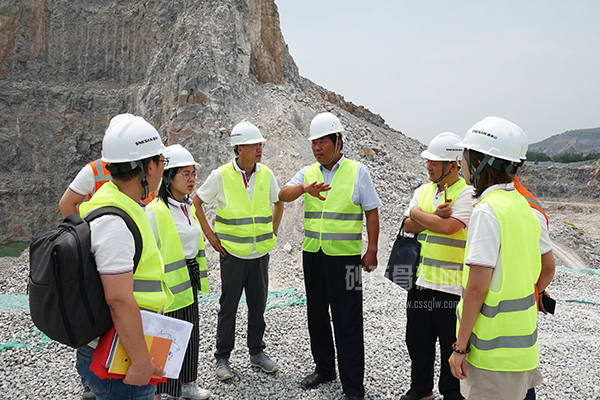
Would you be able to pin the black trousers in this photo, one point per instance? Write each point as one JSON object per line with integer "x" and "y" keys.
{"x": 336, "y": 283}
{"x": 431, "y": 314}
{"x": 239, "y": 275}
{"x": 189, "y": 369}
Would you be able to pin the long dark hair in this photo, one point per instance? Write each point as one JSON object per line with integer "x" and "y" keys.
{"x": 164, "y": 192}
{"x": 488, "y": 175}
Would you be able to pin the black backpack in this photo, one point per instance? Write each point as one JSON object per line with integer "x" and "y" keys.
{"x": 66, "y": 298}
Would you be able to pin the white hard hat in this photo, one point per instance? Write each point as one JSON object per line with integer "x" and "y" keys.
{"x": 246, "y": 133}
{"x": 130, "y": 138}
{"x": 524, "y": 146}
{"x": 496, "y": 137}
{"x": 324, "y": 124}
{"x": 443, "y": 147}
{"x": 177, "y": 156}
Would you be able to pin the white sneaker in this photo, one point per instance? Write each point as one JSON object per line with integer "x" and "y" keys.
{"x": 192, "y": 391}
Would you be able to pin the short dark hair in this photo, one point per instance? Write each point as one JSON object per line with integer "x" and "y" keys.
{"x": 123, "y": 171}
{"x": 488, "y": 175}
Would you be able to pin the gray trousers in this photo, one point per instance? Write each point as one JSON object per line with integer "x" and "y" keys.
{"x": 239, "y": 275}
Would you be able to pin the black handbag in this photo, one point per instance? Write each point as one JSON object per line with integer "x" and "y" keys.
{"x": 404, "y": 259}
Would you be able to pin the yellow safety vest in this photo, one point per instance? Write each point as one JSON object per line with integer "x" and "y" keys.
{"x": 335, "y": 224}
{"x": 505, "y": 336}
{"x": 149, "y": 285}
{"x": 442, "y": 256}
{"x": 176, "y": 271}
{"x": 244, "y": 224}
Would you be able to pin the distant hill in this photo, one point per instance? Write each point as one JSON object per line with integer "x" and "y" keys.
{"x": 576, "y": 141}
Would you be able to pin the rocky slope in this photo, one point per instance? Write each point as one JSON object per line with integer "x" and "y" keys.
{"x": 576, "y": 141}
{"x": 563, "y": 183}
{"x": 193, "y": 69}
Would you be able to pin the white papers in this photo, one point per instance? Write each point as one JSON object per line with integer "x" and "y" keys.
{"x": 171, "y": 328}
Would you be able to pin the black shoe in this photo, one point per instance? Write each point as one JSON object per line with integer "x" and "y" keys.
{"x": 355, "y": 398}
{"x": 315, "y": 379}
{"x": 411, "y": 395}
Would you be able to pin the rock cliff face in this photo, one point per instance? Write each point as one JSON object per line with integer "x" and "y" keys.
{"x": 192, "y": 68}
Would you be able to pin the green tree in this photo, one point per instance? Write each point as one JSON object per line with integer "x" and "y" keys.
{"x": 537, "y": 156}
{"x": 568, "y": 157}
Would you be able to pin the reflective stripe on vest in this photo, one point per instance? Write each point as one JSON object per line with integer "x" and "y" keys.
{"x": 101, "y": 175}
{"x": 245, "y": 224}
{"x": 442, "y": 256}
{"x": 201, "y": 258}
{"x": 149, "y": 285}
{"x": 334, "y": 225}
{"x": 176, "y": 269}
{"x": 504, "y": 337}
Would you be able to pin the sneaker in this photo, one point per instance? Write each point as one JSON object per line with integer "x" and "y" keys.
{"x": 223, "y": 370}
{"x": 411, "y": 395}
{"x": 192, "y": 391}
{"x": 263, "y": 361}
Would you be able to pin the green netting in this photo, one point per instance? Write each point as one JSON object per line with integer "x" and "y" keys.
{"x": 587, "y": 271}
{"x": 275, "y": 299}
{"x": 35, "y": 338}
{"x": 13, "y": 302}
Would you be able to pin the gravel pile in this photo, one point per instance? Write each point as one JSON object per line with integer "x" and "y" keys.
{"x": 31, "y": 367}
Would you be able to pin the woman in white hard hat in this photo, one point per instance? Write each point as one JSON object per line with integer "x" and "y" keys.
{"x": 179, "y": 238}
{"x": 496, "y": 351}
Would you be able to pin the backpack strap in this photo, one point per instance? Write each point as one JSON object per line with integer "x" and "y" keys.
{"x": 135, "y": 231}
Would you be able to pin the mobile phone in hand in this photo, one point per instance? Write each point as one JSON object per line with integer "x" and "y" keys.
{"x": 549, "y": 304}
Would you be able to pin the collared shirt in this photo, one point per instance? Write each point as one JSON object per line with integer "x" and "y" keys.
{"x": 189, "y": 231}
{"x": 212, "y": 189}
{"x": 461, "y": 211}
{"x": 364, "y": 194}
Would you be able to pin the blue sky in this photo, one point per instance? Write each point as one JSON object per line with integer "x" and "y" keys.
{"x": 432, "y": 66}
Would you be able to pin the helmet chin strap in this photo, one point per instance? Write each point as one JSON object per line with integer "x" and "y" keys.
{"x": 485, "y": 160}
{"x": 496, "y": 163}
{"x": 444, "y": 165}
{"x": 337, "y": 138}
{"x": 142, "y": 178}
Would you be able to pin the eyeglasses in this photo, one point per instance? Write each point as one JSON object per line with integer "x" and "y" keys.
{"x": 255, "y": 146}
{"x": 164, "y": 161}
{"x": 188, "y": 175}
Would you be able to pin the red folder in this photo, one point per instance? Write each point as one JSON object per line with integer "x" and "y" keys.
{"x": 101, "y": 354}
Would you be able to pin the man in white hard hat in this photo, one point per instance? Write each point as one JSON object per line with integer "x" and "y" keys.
{"x": 439, "y": 214}
{"x": 245, "y": 231}
{"x": 336, "y": 192}
{"x": 132, "y": 148}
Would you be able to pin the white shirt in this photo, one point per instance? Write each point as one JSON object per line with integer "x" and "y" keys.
{"x": 484, "y": 237}
{"x": 364, "y": 194}
{"x": 188, "y": 229}
{"x": 113, "y": 245}
{"x": 212, "y": 189}
{"x": 85, "y": 181}
{"x": 461, "y": 211}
